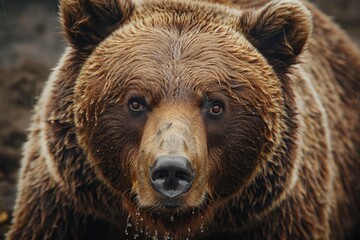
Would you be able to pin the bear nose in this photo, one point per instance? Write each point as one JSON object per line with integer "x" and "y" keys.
{"x": 171, "y": 175}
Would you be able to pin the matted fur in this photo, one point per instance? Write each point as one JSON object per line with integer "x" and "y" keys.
{"x": 280, "y": 162}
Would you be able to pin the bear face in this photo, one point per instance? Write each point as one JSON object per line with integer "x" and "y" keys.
{"x": 154, "y": 108}
{"x": 202, "y": 91}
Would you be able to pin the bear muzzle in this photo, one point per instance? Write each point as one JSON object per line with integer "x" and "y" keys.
{"x": 171, "y": 169}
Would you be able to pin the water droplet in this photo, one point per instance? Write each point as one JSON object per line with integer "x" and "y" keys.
{"x": 172, "y": 219}
{"x": 141, "y": 219}
{"x": 128, "y": 225}
{"x": 189, "y": 233}
{"x": 166, "y": 237}
{"x": 155, "y": 237}
{"x": 136, "y": 236}
{"x": 202, "y": 227}
{"x": 202, "y": 224}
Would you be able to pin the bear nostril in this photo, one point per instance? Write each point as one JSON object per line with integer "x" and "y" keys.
{"x": 159, "y": 174}
{"x": 171, "y": 175}
{"x": 183, "y": 176}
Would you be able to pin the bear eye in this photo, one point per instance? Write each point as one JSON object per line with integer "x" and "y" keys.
{"x": 216, "y": 109}
{"x": 136, "y": 105}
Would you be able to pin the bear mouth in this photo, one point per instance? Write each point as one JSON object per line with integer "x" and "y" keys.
{"x": 171, "y": 203}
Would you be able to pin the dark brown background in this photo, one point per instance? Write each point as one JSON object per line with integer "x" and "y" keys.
{"x": 30, "y": 45}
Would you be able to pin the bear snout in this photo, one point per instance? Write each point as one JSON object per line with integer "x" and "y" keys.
{"x": 171, "y": 176}
{"x": 171, "y": 170}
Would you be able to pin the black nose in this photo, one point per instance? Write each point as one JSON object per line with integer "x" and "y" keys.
{"x": 171, "y": 175}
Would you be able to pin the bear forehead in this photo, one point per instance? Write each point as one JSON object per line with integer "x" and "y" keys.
{"x": 174, "y": 61}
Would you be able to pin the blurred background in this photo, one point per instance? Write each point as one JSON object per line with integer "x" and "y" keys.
{"x": 30, "y": 46}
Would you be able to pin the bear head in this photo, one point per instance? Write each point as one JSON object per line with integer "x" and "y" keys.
{"x": 182, "y": 106}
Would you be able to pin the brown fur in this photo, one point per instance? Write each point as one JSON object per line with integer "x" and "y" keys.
{"x": 280, "y": 162}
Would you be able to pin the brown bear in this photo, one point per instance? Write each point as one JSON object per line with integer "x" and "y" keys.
{"x": 171, "y": 119}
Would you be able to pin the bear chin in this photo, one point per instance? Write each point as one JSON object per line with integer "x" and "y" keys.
{"x": 174, "y": 221}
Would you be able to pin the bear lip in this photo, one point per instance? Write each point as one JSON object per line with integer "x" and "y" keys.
{"x": 171, "y": 202}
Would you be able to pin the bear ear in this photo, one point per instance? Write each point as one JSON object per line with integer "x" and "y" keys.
{"x": 87, "y": 22}
{"x": 280, "y": 31}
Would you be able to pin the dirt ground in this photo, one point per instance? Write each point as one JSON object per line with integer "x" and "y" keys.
{"x": 30, "y": 45}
